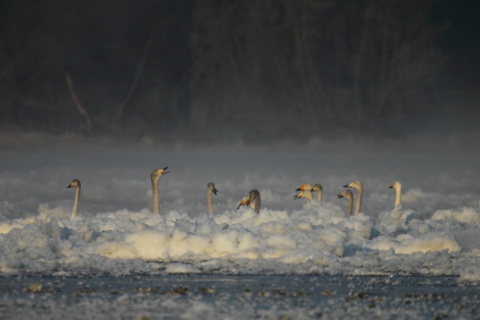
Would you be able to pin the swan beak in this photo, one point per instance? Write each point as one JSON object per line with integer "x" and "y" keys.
{"x": 391, "y": 187}
{"x": 163, "y": 171}
{"x": 346, "y": 186}
{"x": 243, "y": 203}
{"x": 69, "y": 186}
{"x": 215, "y": 191}
{"x": 340, "y": 196}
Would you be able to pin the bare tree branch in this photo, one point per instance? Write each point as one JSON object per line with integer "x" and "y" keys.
{"x": 83, "y": 112}
{"x": 136, "y": 78}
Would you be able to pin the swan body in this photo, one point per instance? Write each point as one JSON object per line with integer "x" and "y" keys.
{"x": 253, "y": 200}
{"x": 358, "y": 185}
{"x": 348, "y": 195}
{"x": 210, "y": 189}
{"x": 77, "y": 185}
{"x": 398, "y": 192}
{"x": 305, "y": 195}
{"x": 155, "y": 177}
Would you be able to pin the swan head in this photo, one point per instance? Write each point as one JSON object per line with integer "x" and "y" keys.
{"x": 211, "y": 188}
{"x": 158, "y": 173}
{"x": 74, "y": 184}
{"x": 243, "y": 202}
{"x": 303, "y": 194}
{"x": 346, "y": 194}
{"x": 304, "y": 187}
{"x": 355, "y": 185}
{"x": 396, "y": 185}
{"x": 252, "y": 195}
{"x": 317, "y": 187}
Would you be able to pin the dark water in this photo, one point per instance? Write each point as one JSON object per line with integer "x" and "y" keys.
{"x": 237, "y": 297}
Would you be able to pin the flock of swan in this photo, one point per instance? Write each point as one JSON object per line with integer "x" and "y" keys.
{"x": 254, "y": 199}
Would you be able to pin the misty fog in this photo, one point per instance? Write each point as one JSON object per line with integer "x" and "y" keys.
{"x": 248, "y": 94}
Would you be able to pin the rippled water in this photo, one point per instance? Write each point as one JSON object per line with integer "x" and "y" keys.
{"x": 237, "y": 296}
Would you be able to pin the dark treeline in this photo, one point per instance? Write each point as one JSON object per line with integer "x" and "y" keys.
{"x": 219, "y": 69}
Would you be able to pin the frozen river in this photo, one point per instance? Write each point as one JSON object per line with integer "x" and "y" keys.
{"x": 292, "y": 260}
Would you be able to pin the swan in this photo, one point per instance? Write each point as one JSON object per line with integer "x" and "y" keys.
{"x": 358, "y": 185}
{"x": 253, "y": 196}
{"x": 398, "y": 192}
{"x": 316, "y": 188}
{"x": 77, "y": 185}
{"x": 304, "y": 194}
{"x": 348, "y": 195}
{"x": 210, "y": 189}
{"x": 155, "y": 176}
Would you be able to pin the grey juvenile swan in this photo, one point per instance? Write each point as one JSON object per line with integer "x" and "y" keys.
{"x": 398, "y": 192}
{"x": 253, "y": 196}
{"x": 358, "y": 185}
{"x": 155, "y": 176}
{"x": 348, "y": 195}
{"x": 210, "y": 189}
{"x": 77, "y": 185}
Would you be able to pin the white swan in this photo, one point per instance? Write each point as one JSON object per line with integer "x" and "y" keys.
{"x": 348, "y": 195}
{"x": 210, "y": 189}
{"x": 398, "y": 192}
{"x": 358, "y": 185}
{"x": 304, "y": 195}
{"x": 77, "y": 185}
{"x": 316, "y": 188}
{"x": 155, "y": 176}
{"x": 253, "y": 200}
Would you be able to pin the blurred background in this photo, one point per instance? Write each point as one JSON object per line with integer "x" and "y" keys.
{"x": 228, "y": 71}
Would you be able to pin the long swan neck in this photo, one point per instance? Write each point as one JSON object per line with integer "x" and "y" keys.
{"x": 209, "y": 202}
{"x": 398, "y": 195}
{"x": 155, "y": 196}
{"x": 255, "y": 196}
{"x": 319, "y": 195}
{"x": 75, "y": 202}
{"x": 308, "y": 195}
{"x": 350, "y": 205}
{"x": 258, "y": 203}
{"x": 358, "y": 208}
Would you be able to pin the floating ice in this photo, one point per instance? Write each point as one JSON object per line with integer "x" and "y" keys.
{"x": 320, "y": 236}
